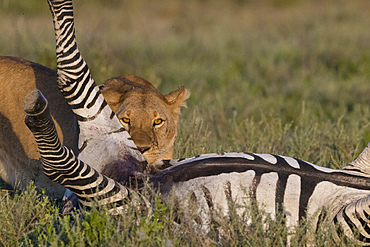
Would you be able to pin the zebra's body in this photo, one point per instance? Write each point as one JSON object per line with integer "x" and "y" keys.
{"x": 210, "y": 181}
{"x": 274, "y": 181}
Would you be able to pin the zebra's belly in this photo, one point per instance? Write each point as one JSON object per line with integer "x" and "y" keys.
{"x": 213, "y": 194}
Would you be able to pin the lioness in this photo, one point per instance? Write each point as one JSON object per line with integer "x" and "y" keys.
{"x": 150, "y": 117}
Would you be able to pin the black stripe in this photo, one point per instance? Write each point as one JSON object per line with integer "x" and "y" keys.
{"x": 84, "y": 145}
{"x": 228, "y": 192}
{"x": 193, "y": 198}
{"x": 87, "y": 171}
{"x": 339, "y": 227}
{"x": 280, "y": 190}
{"x": 348, "y": 221}
{"x": 92, "y": 103}
{"x": 122, "y": 129}
{"x": 365, "y": 227}
{"x": 253, "y": 189}
{"x": 116, "y": 189}
{"x": 320, "y": 219}
{"x": 208, "y": 197}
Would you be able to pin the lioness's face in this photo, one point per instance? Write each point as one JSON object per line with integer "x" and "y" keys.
{"x": 151, "y": 125}
{"x": 150, "y": 117}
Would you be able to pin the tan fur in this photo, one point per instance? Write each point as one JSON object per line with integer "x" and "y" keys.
{"x": 19, "y": 158}
{"x": 136, "y": 99}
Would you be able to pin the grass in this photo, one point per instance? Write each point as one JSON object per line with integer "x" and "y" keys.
{"x": 287, "y": 77}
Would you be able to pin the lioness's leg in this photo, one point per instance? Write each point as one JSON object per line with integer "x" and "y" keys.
{"x": 62, "y": 166}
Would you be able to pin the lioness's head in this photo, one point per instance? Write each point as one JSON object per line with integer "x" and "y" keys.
{"x": 149, "y": 117}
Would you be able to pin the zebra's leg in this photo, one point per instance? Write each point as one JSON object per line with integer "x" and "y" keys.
{"x": 102, "y": 138}
{"x": 62, "y": 166}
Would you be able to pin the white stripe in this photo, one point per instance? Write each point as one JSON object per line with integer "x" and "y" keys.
{"x": 291, "y": 161}
{"x": 268, "y": 157}
{"x": 238, "y": 155}
{"x": 266, "y": 192}
{"x": 291, "y": 199}
{"x": 325, "y": 169}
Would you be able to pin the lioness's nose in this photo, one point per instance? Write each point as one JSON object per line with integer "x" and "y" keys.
{"x": 143, "y": 149}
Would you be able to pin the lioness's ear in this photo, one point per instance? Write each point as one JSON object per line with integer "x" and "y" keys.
{"x": 177, "y": 98}
{"x": 112, "y": 97}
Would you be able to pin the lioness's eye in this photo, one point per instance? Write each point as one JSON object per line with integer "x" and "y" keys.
{"x": 157, "y": 121}
{"x": 125, "y": 120}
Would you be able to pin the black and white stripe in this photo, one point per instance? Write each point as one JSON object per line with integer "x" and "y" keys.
{"x": 354, "y": 221}
{"x": 97, "y": 122}
{"x": 61, "y": 165}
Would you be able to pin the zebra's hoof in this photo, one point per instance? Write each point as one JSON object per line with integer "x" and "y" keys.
{"x": 35, "y": 103}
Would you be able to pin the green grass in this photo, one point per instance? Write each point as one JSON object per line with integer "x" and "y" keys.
{"x": 288, "y": 77}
